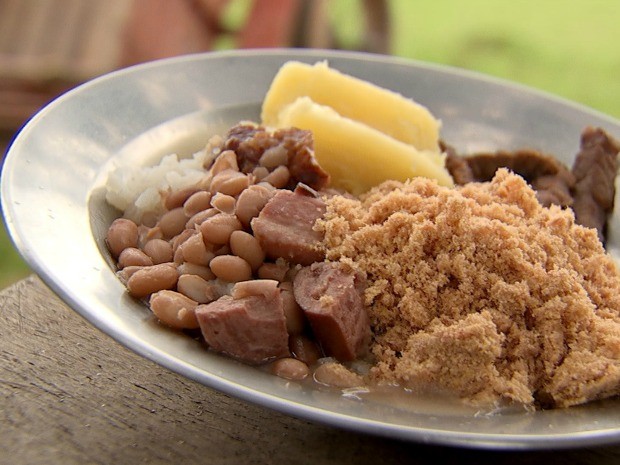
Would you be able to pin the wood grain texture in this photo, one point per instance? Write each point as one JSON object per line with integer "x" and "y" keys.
{"x": 71, "y": 395}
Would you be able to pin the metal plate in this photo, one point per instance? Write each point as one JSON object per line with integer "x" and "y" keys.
{"x": 53, "y": 204}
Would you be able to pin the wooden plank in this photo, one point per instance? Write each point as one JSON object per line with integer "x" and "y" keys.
{"x": 49, "y": 46}
{"x": 71, "y": 395}
{"x": 71, "y": 40}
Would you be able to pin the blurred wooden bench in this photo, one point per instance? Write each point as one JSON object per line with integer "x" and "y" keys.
{"x": 49, "y": 46}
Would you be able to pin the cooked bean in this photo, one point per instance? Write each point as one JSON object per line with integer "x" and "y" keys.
{"x": 174, "y": 309}
{"x": 121, "y": 234}
{"x": 224, "y": 203}
{"x": 222, "y": 250}
{"x": 231, "y": 268}
{"x": 266, "y": 185}
{"x": 178, "y": 198}
{"x": 178, "y": 258}
{"x": 275, "y": 271}
{"x": 274, "y": 156}
{"x": 336, "y": 375}
{"x": 149, "y": 219}
{"x": 146, "y": 233}
{"x": 279, "y": 177}
{"x": 250, "y": 202}
{"x": 198, "y": 202}
{"x": 199, "y": 289}
{"x": 200, "y": 217}
{"x": 259, "y": 287}
{"x": 204, "y": 184}
{"x": 218, "y": 228}
{"x": 159, "y": 250}
{"x": 259, "y": 173}
{"x": 179, "y": 239}
{"x": 305, "y": 349}
{"x": 227, "y": 160}
{"x": 195, "y": 251}
{"x": 295, "y": 318}
{"x": 247, "y": 247}
{"x": 214, "y": 147}
{"x": 289, "y": 368}
{"x": 132, "y": 256}
{"x": 172, "y": 222}
{"x": 190, "y": 268}
{"x": 304, "y": 189}
{"x": 229, "y": 182}
{"x": 151, "y": 279}
{"x": 128, "y": 272}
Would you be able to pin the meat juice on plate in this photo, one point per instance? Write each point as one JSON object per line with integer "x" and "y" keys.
{"x": 303, "y": 248}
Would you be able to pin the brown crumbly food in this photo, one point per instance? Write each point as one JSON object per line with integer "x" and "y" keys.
{"x": 482, "y": 292}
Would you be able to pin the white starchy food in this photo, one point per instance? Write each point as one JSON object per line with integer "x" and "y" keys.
{"x": 379, "y": 108}
{"x": 363, "y": 134}
{"x": 359, "y": 157}
{"x": 136, "y": 189}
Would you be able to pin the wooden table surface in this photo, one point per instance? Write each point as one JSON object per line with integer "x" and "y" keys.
{"x": 71, "y": 395}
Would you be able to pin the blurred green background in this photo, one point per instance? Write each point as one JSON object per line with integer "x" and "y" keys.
{"x": 565, "y": 47}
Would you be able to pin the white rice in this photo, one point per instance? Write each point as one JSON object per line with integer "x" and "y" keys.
{"x": 136, "y": 190}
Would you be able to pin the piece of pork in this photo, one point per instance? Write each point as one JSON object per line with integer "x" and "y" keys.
{"x": 285, "y": 227}
{"x": 554, "y": 190}
{"x": 250, "y": 142}
{"x": 595, "y": 169}
{"x": 457, "y": 165}
{"x": 331, "y": 296}
{"x": 588, "y": 188}
{"x": 548, "y": 176}
{"x": 251, "y": 328}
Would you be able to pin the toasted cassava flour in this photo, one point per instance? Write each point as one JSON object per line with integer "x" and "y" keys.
{"x": 481, "y": 292}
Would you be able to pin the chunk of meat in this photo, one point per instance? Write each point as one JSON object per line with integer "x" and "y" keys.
{"x": 251, "y": 329}
{"x": 331, "y": 296}
{"x": 595, "y": 169}
{"x": 456, "y": 165}
{"x": 530, "y": 164}
{"x": 554, "y": 190}
{"x": 285, "y": 225}
{"x": 305, "y": 168}
{"x": 547, "y": 175}
{"x": 588, "y": 188}
{"x": 250, "y": 142}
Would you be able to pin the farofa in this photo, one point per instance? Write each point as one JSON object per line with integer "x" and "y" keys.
{"x": 481, "y": 292}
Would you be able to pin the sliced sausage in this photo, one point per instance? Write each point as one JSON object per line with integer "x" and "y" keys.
{"x": 332, "y": 299}
{"x": 285, "y": 225}
{"x": 251, "y": 329}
